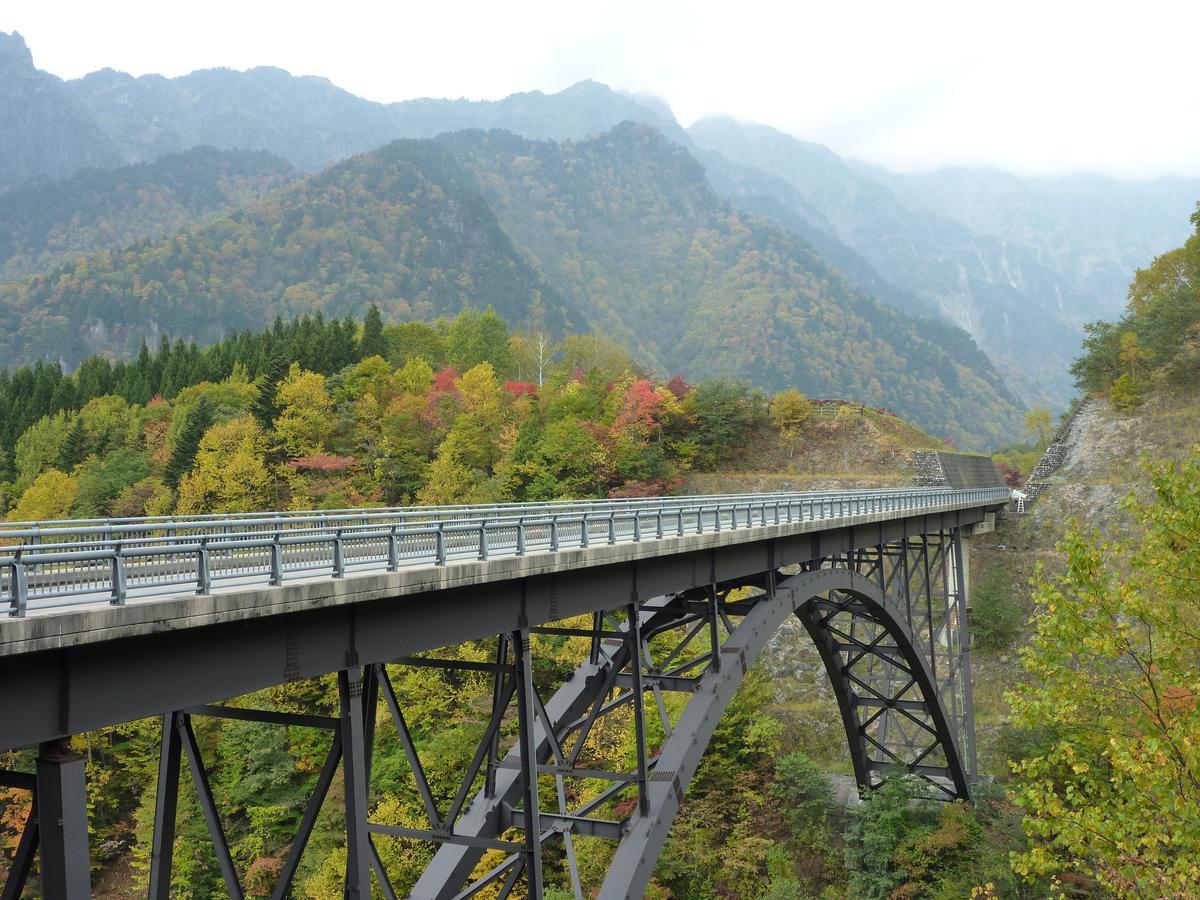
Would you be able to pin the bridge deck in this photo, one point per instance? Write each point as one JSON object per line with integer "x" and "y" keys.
{"x": 99, "y": 581}
{"x": 91, "y": 662}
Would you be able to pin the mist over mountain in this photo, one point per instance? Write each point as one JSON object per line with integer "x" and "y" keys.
{"x": 1092, "y": 229}
{"x": 45, "y": 130}
{"x": 1001, "y": 293}
{"x": 1019, "y": 264}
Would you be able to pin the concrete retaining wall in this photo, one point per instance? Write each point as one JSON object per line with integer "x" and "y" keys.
{"x": 960, "y": 470}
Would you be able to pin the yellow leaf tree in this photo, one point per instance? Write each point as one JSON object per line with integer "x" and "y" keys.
{"x": 230, "y": 474}
{"x": 51, "y": 496}
{"x": 305, "y": 421}
{"x": 1114, "y": 789}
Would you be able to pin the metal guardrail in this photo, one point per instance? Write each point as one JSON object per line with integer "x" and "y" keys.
{"x": 53, "y": 565}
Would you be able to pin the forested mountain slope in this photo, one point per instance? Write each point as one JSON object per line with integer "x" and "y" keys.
{"x": 46, "y": 223}
{"x": 402, "y": 227}
{"x": 621, "y": 231}
{"x": 1019, "y": 263}
{"x": 627, "y": 227}
{"x": 1021, "y": 282}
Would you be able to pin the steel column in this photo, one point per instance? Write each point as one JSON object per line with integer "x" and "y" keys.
{"x": 166, "y": 802}
{"x": 639, "y": 704}
{"x": 354, "y": 769}
{"x": 962, "y": 570}
{"x": 529, "y": 755}
{"x": 61, "y": 799}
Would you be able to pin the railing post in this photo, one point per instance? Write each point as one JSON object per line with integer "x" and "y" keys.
{"x": 583, "y": 532}
{"x": 521, "y": 536}
{"x": 118, "y": 577}
{"x": 658, "y": 524}
{"x": 203, "y": 571}
{"x": 276, "y": 560}
{"x": 483, "y": 541}
{"x": 680, "y": 530}
{"x": 19, "y": 587}
{"x": 637, "y": 525}
{"x": 393, "y": 551}
{"x": 554, "y": 534}
{"x": 339, "y": 555}
{"x": 612, "y": 527}
{"x": 440, "y": 547}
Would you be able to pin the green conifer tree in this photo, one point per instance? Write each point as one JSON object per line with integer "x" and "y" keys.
{"x": 199, "y": 420}
{"x": 371, "y": 342}
{"x": 72, "y": 452}
{"x": 265, "y": 409}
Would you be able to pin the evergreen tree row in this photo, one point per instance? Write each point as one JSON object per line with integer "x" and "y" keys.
{"x": 29, "y": 393}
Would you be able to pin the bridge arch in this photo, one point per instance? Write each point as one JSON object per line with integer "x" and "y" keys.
{"x": 889, "y": 626}
{"x": 818, "y": 598}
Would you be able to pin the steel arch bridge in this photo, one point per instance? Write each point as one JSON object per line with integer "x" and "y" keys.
{"x": 671, "y": 598}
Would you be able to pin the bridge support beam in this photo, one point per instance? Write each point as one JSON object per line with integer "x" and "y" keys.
{"x": 22, "y": 861}
{"x": 354, "y": 770}
{"x": 165, "y": 805}
{"x": 526, "y": 712}
{"x": 178, "y": 742}
{"x": 61, "y": 803}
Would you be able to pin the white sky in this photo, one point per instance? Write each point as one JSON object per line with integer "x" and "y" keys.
{"x": 1043, "y": 87}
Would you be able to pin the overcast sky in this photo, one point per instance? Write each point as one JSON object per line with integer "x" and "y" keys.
{"x": 1044, "y": 87}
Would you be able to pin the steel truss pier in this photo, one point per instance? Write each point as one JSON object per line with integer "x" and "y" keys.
{"x": 889, "y": 621}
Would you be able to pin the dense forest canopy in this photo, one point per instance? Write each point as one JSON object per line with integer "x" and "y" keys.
{"x": 338, "y": 414}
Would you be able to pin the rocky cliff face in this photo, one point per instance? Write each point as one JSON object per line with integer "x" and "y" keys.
{"x": 1020, "y": 310}
{"x": 1093, "y": 230}
{"x": 45, "y": 131}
